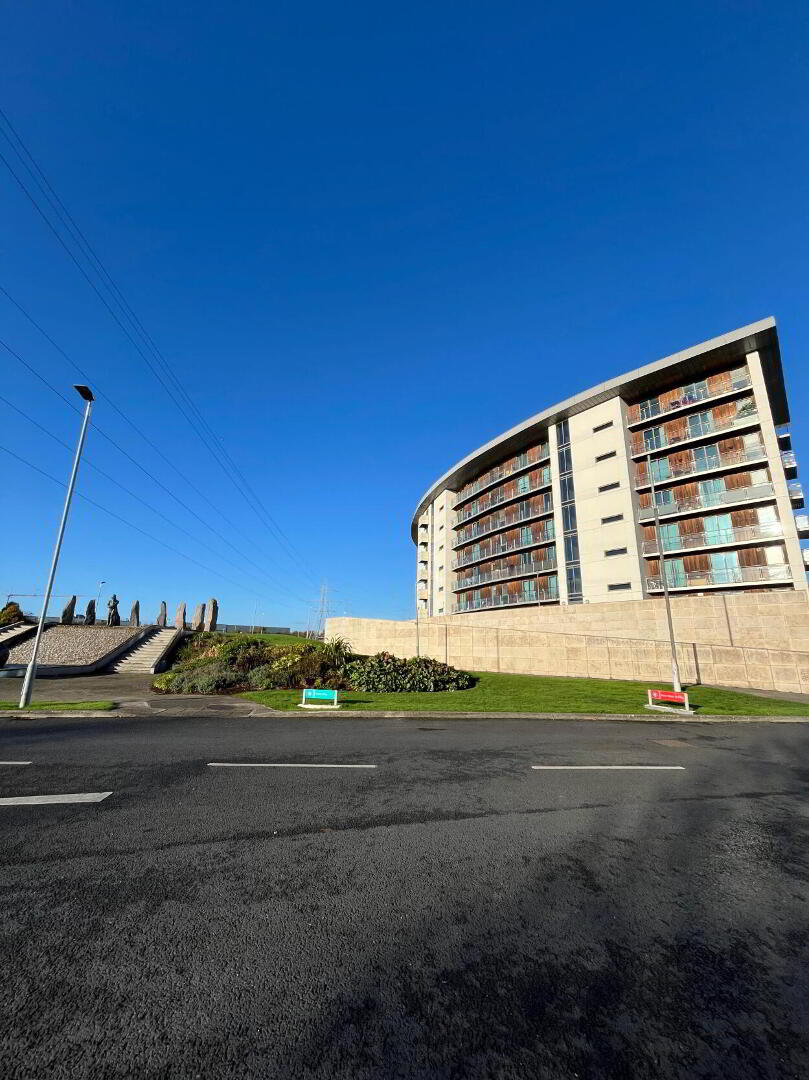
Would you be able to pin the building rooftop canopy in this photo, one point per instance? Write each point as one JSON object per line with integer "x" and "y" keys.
{"x": 685, "y": 366}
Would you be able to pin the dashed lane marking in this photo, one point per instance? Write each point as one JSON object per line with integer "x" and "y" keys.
{"x": 662, "y": 768}
{"x": 15, "y": 762}
{"x": 280, "y": 765}
{"x": 51, "y": 800}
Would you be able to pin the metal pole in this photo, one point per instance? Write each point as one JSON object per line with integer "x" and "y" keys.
{"x": 418, "y": 643}
{"x": 30, "y": 674}
{"x": 98, "y": 597}
{"x": 675, "y": 669}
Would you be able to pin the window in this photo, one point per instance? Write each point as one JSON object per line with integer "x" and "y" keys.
{"x": 523, "y": 484}
{"x": 615, "y": 551}
{"x": 526, "y": 534}
{"x": 602, "y": 427}
{"x": 563, "y": 433}
{"x": 569, "y": 518}
{"x": 700, "y": 424}
{"x": 619, "y": 586}
{"x": 440, "y": 611}
{"x": 565, "y": 460}
{"x": 653, "y": 438}
{"x": 566, "y": 488}
{"x": 670, "y": 536}
{"x": 675, "y": 573}
{"x": 440, "y": 568}
{"x": 609, "y": 487}
{"x": 661, "y": 469}
{"x": 664, "y": 497}
{"x": 706, "y": 457}
{"x": 572, "y": 548}
{"x": 440, "y": 588}
{"x": 441, "y": 547}
{"x": 612, "y": 517}
{"x": 573, "y": 582}
{"x": 604, "y": 457}
{"x": 440, "y": 528}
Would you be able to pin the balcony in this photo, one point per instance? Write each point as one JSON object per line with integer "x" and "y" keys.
{"x": 505, "y": 520}
{"x": 723, "y": 460}
{"x": 795, "y": 490}
{"x": 506, "y": 573}
{"x": 802, "y": 525}
{"x": 481, "y": 603}
{"x": 741, "y": 420}
{"x": 737, "y": 575}
{"x": 498, "y": 498}
{"x": 503, "y": 548}
{"x": 651, "y": 411}
{"x": 500, "y": 472}
{"x": 709, "y": 501}
{"x": 789, "y": 461}
{"x": 745, "y": 534}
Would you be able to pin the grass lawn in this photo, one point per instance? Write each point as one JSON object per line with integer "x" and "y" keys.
{"x": 61, "y": 706}
{"x": 272, "y": 639}
{"x": 533, "y": 693}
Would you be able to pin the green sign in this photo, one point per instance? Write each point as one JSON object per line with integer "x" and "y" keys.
{"x": 320, "y": 695}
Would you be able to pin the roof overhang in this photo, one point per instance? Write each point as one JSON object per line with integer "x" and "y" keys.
{"x": 686, "y": 365}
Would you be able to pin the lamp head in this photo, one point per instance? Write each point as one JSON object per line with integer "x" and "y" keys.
{"x": 84, "y": 392}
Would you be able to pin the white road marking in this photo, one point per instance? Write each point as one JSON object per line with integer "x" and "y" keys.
{"x": 279, "y": 765}
{"x": 15, "y": 762}
{"x": 42, "y": 800}
{"x": 661, "y": 767}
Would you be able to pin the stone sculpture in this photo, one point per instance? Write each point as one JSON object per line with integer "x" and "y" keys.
{"x": 134, "y": 618}
{"x": 162, "y": 617}
{"x": 213, "y": 614}
{"x": 68, "y": 611}
{"x": 113, "y": 618}
{"x": 198, "y": 622}
{"x": 179, "y": 622}
{"x": 90, "y": 613}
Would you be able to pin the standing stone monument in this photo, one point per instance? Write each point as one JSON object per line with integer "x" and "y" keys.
{"x": 134, "y": 617}
{"x": 179, "y": 622}
{"x": 113, "y": 618}
{"x": 162, "y": 615}
{"x": 198, "y": 622}
{"x": 68, "y": 611}
{"x": 90, "y": 613}
{"x": 213, "y": 614}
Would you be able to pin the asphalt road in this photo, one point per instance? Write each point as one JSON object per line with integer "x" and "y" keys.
{"x": 452, "y": 913}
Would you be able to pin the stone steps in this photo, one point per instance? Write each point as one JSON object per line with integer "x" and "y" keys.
{"x": 143, "y": 656}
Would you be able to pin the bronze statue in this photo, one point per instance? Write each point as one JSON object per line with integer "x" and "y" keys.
{"x": 113, "y": 618}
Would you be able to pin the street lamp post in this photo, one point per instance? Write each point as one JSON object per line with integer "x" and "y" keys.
{"x": 28, "y": 683}
{"x": 675, "y": 668}
{"x": 98, "y": 595}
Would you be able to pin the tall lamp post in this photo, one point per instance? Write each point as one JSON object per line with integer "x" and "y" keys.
{"x": 98, "y": 595}
{"x": 86, "y": 395}
{"x": 675, "y": 668}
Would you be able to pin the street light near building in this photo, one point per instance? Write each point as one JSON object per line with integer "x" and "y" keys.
{"x": 86, "y": 395}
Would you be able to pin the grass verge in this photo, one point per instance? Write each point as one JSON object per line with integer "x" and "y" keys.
{"x": 61, "y": 706}
{"x": 534, "y": 693}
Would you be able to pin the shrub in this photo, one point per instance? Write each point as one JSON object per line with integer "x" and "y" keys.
{"x": 10, "y": 613}
{"x": 384, "y": 673}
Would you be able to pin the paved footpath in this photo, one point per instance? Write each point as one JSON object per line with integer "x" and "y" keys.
{"x": 499, "y": 899}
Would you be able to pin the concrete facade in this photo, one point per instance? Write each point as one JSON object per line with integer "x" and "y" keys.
{"x": 536, "y": 518}
{"x": 757, "y": 639}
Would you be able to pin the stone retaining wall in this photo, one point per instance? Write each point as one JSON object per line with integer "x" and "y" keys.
{"x": 755, "y": 639}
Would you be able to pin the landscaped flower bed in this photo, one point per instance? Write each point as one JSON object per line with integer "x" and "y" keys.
{"x": 207, "y": 664}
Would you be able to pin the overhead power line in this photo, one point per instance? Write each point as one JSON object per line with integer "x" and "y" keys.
{"x": 132, "y": 525}
{"x": 138, "y": 498}
{"x": 200, "y": 426}
{"x": 138, "y": 465}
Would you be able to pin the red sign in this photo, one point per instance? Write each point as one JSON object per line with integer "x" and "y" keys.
{"x": 668, "y": 695}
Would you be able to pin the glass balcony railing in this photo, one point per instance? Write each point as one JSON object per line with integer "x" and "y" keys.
{"x": 505, "y": 573}
{"x": 795, "y": 489}
{"x": 719, "y": 460}
{"x": 788, "y": 459}
{"x": 496, "y": 498}
{"x": 733, "y": 575}
{"x": 533, "y": 597}
{"x": 710, "y": 500}
{"x": 770, "y": 530}
{"x": 501, "y": 472}
{"x": 697, "y": 431}
{"x": 802, "y": 523}
{"x": 503, "y": 520}
{"x": 498, "y": 548}
{"x": 649, "y": 410}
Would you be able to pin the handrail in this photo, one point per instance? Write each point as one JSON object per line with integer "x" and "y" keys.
{"x": 503, "y": 521}
{"x": 771, "y": 530}
{"x": 497, "y": 497}
{"x": 732, "y": 575}
{"x": 725, "y": 459}
{"x": 535, "y": 597}
{"x": 502, "y": 549}
{"x": 691, "y": 398}
{"x": 505, "y": 573}
{"x": 711, "y": 499}
{"x": 499, "y": 472}
{"x": 739, "y": 420}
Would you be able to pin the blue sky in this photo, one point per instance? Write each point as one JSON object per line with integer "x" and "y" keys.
{"x": 367, "y": 239}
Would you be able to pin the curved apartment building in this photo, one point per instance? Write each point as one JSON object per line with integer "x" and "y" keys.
{"x": 561, "y": 508}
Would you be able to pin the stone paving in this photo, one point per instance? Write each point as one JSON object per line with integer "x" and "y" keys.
{"x": 73, "y": 644}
